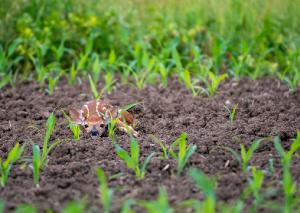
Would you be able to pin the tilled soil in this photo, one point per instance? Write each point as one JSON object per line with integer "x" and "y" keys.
{"x": 265, "y": 108}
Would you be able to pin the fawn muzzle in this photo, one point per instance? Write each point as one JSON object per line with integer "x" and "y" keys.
{"x": 94, "y": 131}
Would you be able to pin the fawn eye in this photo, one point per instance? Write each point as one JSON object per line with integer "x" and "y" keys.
{"x": 86, "y": 126}
{"x": 102, "y": 125}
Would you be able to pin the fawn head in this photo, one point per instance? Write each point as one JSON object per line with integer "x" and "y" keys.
{"x": 92, "y": 121}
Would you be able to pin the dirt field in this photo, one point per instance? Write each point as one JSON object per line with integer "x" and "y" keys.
{"x": 266, "y": 108}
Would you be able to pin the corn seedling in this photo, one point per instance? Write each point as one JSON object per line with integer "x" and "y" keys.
{"x": 207, "y": 187}
{"x": 73, "y": 74}
{"x": 164, "y": 148}
{"x": 105, "y": 192}
{"x": 164, "y": 73}
{"x": 231, "y": 113}
{"x": 25, "y": 208}
{"x": 126, "y": 207}
{"x": 246, "y": 155}
{"x": 184, "y": 152}
{"x": 5, "y": 166}
{"x": 36, "y": 164}
{"x": 213, "y": 82}
{"x": 112, "y": 129}
{"x": 255, "y": 184}
{"x": 2, "y": 206}
{"x": 52, "y": 83}
{"x": 50, "y": 124}
{"x": 161, "y": 205}
{"x": 185, "y": 76}
{"x": 289, "y": 187}
{"x": 75, "y": 207}
{"x": 98, "y": 95}
{"x": 75, "y": 128}
{"x": 132, "y": 160}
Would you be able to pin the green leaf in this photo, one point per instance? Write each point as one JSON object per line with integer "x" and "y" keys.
{"x": 134, "y": 149}
{"x": 124, "y": 156}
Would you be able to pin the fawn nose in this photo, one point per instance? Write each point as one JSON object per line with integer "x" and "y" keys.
{"x": 94, "y": 131}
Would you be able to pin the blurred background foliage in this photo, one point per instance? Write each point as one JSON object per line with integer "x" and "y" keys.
{"x": 148, "y": 40}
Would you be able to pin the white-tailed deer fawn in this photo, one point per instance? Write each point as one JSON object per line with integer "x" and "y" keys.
{"x": 94, "y": 116}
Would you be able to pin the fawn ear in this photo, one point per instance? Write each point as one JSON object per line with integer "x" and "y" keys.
{"x": 76, "y": 115}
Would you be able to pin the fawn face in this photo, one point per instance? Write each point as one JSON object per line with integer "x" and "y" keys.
{"x": 94, "y": 116}
{"x": 90, "y": 118}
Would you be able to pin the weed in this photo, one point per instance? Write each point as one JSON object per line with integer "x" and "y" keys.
{"x": 132, "y": 160}
{"x": 207, "y": 186}
{"x": 106, "y": 194}
{"x": 161, "y": 205}
{"x": 184, "y": 152}
{"x": 5, "y": 166}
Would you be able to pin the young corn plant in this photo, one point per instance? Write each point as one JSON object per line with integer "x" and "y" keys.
{"x": 106, "y": 193}
{"x": 50, "y": 124}
{"x": 40, "y": 159}
{"x": 52, "y": 81}
{"x": 97, "y": 95}
{"x": 112, "y": 129}
{"x": 184, "y": 152}
{"x": 132, "y": 160}
{"x": 207, "y": 187}
{"x": 165, "y": 149}
{"x": 36, "y": 164}
{"x": 231, "y": 113}
{"x": 75, "y": 207}
{"x": 73, "y": 74}
{"x": 213, "y": 82}
{"x": 185, "y": 76}
{"x": 161, "y": 205}
{"x": 5, "y": 166}
{"x": 289, "y": 187}
{"x": 255, "y": 185}
{"x": 246, "y": 155}
{"x": 75, "y": 128}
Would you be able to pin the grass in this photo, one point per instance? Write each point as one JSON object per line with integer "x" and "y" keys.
{"x": 6, "y": 165}
{"x": 132, "y": 160}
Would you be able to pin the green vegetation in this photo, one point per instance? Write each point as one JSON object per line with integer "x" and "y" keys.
{"x": 105, "y": 193}
{"x": 40, "y": 159}
{"x": 207, "y": 186}
{"x": 201, "y": 43}
{"x": 184, "y": 152}
{"x": 6, "y": 166}
{"x": 161, "y": 205}
{"x": 132, "y": 160}
{"x": 75, "y": 128}
{"x": 289, "y": 186}
{"x": 231, "y": 113}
